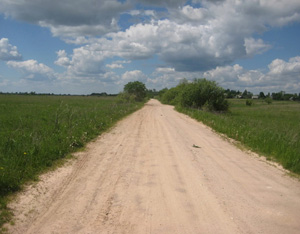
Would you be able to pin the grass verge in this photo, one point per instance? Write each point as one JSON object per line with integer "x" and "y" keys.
{"x": 36, "y": 131}
{"x": 271, "y": 130}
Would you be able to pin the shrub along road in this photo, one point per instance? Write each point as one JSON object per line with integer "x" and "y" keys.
{"x": 159, "y": 171}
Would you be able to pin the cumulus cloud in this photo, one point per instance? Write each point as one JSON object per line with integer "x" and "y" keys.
{"x": 33, "y": 70}
{"x": 165, "y": 3}
{"x": 114, "y": 65}
{"x": 164, "y": 70}
{"x": 234, "y": 77}
{"x": 86, "y": 61}
{"x": 281, "y": 75}
{"x": 189, "y": 40}
{"x": 168, "y": 77}
{"x": 69, "y": 17}
{"x": 254, "y": 46}
{"x": 62, "y": 59}
{"x": 282, "y": 69}
{"x": 189, "y": 14}
{"x": 8, "y": 51}
{"x": 75, "y": 18}
{"x": 184, "y": 47}
{"x": 279, "y": 13}
{"x": 220, "y": 32}
{"x": 133, "y": 76}
{"x": 199, "y": 39}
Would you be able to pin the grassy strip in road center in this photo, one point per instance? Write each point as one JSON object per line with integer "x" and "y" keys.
{"x": 37, "y": 130}
{"x": 272, "y": 130}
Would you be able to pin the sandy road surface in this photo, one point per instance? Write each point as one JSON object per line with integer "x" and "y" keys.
{"x": 145, "y": 176}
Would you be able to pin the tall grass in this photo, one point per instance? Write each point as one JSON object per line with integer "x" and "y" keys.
{"x": 35, "y": 131}
{"x": 272, "y": 130}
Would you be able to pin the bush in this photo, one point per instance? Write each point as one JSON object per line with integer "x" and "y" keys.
{"x": 199, "y": 94}
{"x": 268, "y": 100}
{"x": 203, "y": 93}
{"x": 249, "y": 102}
{"x": 169, "y": 97}
{"x": 126, "y": 98}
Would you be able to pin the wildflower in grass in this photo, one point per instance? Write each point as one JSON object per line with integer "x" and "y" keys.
{"x": 1, "y": 168}
{"x": 25, "y": 153}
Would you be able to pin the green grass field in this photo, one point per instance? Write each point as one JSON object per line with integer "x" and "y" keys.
{"x": 36, "y": 131}
{"x": 271, "y": 130}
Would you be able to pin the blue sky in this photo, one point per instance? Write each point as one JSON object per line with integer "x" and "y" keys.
{"x": 86, "y": 46}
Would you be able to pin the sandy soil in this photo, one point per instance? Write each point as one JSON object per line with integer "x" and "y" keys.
{"x": 159, "y": 171}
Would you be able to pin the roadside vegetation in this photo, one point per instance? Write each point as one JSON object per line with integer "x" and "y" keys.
{"x": 198, "y": 94}
{"x": 38, "y": 130}
{"x": 271, "y": 130}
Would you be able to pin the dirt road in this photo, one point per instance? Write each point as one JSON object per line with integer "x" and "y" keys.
{"x": 159, "y": 171}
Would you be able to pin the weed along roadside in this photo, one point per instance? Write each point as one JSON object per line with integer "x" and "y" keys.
{"x": 36, "y": 131}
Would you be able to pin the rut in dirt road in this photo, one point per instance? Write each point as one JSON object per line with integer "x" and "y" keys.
{"x": 159, "y": 171}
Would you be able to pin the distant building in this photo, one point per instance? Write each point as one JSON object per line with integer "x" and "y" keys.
{"x": 255, "y": 97}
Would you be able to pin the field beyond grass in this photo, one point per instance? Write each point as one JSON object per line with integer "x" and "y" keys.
{"x": 271, "y": 130}
{"x": 36, "y": 131}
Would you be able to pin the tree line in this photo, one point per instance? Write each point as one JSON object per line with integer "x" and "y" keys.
{"x": 199, "y": 94}
{"x": 185, "y": 93}
{"x": 280, "y": 96}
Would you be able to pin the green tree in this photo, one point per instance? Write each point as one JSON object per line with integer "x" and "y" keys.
{"x": 200, "y": 93}
{"x": 136, "y": 88}
{"x": 247, "y": 94}
{"x": 262, "y": 95}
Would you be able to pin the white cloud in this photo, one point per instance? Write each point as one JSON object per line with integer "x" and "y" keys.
{"x": 281, "y": 69}
{"x": 164, "y": 3}
{"x": 8, "y": 51}
{"x": 254, "y": 46}
{"x": 183, "y": 46}
{"x": 114, "y": 65}
{"x": 189, "y": 14}
{"x": 167, "y": 78}
{"x": 188, "y": 40}
{"x": 122, "y": 61}
{"x": 197, "y": 39}
{"x": 135, "y": 75}
{"x": 143, "y": 15}
{"x": 164, "y": 70}
{"x": 192, "y": 39}
{"x": 86, "y": 61}
{"x": 150, "y": 13}
{"x": 280, "y": 12}
{"x": 62, "y": 59}
{"x": 73, "y": 31}
{"x": 280, "y": 76}
{"x": 33, "y": 70}
{"x": 69, "y": 17}
{"x": 135, "y": 12}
